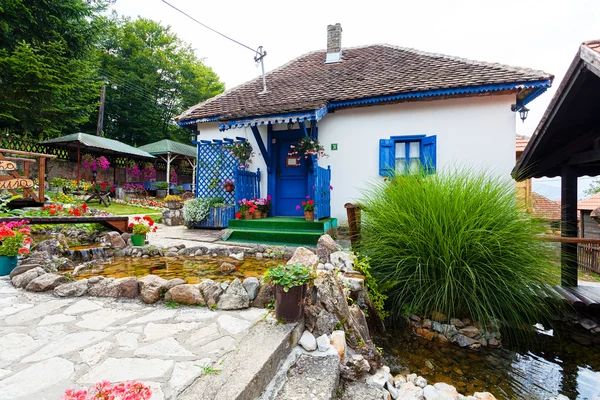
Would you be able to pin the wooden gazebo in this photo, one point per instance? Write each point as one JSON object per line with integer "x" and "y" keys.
{"x": 566, "y": 143}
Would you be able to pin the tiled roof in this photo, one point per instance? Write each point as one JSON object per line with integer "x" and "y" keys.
{"x": 522, "y": 142}
{"x": 591, "y": 203}
{"x": 307, "y": 83}
{"x": 545, "y": 208}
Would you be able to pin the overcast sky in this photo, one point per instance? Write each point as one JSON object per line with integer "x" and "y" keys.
{"x": 528, "y": 33}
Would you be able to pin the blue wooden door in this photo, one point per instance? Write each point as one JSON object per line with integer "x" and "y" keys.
{"x": 291, "y": 182}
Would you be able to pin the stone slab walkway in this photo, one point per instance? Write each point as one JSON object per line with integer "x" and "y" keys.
{"x": 48, "y": 344}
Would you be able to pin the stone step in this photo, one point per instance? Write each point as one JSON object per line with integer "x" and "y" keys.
{"x": 311, "y": 378}
{"x": 246, "y": 371}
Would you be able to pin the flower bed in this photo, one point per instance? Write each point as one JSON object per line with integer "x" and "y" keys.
{"x": 146, "y": 203}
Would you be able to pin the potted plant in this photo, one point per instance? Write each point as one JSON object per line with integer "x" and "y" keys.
{"x": 241, "y": 150}
{"x": 173, "y": 202}
{"x": 161, "y": 189}
{"x": 290, "y": 289}
{"x": 309, "y": 209}
{"x": 13, "y": 241}
{"x": 306, "y": 147}
{"x": 228, "y": 185}
{"x": 140, "y": 228}
{"x": 247, "y": 208}
{"x": 264, "y": 205}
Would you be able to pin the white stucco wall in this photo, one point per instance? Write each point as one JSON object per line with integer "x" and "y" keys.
{"x": 476, "y": 132}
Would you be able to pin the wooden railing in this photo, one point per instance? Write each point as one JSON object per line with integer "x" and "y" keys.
{"x": 247, "y": 185}
{"x": 588, "y": 251}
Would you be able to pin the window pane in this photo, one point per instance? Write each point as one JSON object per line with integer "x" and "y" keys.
{"x": 414, "y": 151}
{"x": 400, "y": 150}
{"x": 400, "y": 166}
{"x": 415, "y": 164}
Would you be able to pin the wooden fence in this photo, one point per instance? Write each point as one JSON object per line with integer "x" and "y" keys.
{"x": 588, "y": 255}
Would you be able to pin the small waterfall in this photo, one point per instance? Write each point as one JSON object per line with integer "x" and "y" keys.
{"x": 87, "y": 253}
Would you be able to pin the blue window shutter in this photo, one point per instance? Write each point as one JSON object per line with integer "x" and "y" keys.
{"x": 428, "y": 152}
{"x": 386, "y": 157}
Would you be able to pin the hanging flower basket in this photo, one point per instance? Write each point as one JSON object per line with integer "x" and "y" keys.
{"x": 306, "y": 147}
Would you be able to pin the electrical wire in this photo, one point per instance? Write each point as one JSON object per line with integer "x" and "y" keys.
{"x": 214, "y": 30}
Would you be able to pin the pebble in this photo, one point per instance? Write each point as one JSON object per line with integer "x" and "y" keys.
{"x": 323, "y": 343}
{"x": 308, "y": 341}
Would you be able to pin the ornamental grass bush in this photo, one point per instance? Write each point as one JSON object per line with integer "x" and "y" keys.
{"x": 457, "y": 243}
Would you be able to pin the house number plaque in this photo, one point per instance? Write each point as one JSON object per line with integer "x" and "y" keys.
{"x": 292, "y": 162}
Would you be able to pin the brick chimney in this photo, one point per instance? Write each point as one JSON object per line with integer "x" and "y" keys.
{"x": 334, "y": 43}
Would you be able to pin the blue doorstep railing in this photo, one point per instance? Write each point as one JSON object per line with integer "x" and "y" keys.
{"x": 247, "y": 185}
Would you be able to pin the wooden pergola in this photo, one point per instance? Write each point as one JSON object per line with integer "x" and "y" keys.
{"x": 566, "y": 143}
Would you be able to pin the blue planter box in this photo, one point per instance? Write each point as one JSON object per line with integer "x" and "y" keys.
{"x": 218, "y": 217}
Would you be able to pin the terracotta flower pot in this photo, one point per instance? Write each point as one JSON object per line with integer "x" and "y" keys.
{"x": 247, "y": 215}
{"x": 263, "y": 214}
{"x": 309, "y": 215}
{"x": 257, "y": 215}
{"x": 229, "y": 188}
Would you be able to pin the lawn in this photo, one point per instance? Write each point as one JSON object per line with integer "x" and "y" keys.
{"x": 124, "y": 209}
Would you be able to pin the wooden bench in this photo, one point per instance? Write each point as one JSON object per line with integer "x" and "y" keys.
{"x": 116, "y": 222}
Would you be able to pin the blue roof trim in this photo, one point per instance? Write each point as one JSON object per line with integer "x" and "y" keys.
{"x": 195, "y": 121}
{"x": 545, "y": 84}
{"x": 311, "y": 115}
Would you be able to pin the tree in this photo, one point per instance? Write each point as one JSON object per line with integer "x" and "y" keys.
{"x": 48, "y": 77}
{"x": 593, "y": 188}
{"x": 152, "y": 76}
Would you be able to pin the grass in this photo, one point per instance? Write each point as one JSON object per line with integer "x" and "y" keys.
{"x": 455, "y": 243}
{"x": 124, "y": 209}
{"x": 208, "y": 370}
{"x": 588, "y": 276}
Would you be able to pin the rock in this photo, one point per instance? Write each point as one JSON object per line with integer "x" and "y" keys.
{"x": 259, "y": 256}
{"x": 173, "y": 282}
{"x": 447, "y": 389}
{"x": 356, "y": 367}
{"x": 353, "y": 284}
{"x": 358, "y": 323}
{"x": 409, "y": 391}
{"x": 430, "y": 393}
{"x": 264, "y": 296}
{"x": 325, "y": 246}
{"x": 338, "y": 341}
{"x": 185, "y": 294}
{"x": 449, "y": 330}
{"x": 22, "y": 280}
{"x": 251, "y": 285}
{"x": 411, "y": 378}
{"x": 421, "y": 382}
{"x": 237, "y": 256}
{"x": 399, "y": 380}
{"x": 51, "y": 246}
{"x": 342, "y": 260}
{"x": 438, "y": 316}
{"x": 227, "y": 268}
{"x": 114, "y": 240}
{"x": 305, "y": 257}
{"x": 323, "y": 343}
{"x": 46, "y": 282}
{"x": 457, "y": 323}
{"x": 488, "y": 396}
{"x": 587, "y": 324}
{"x": 212, "y": 292}
{"x": 426, "y": 324}
{"x": 470, "y": 331}
{"x": 110, "y": 287}
{"x": 170, "y": 254}
{"x": 425, "y": 334}
{"x": 125, "y": 236}
{"x": 493, "y": 342}
{"x": 462, "y": 340}
{"x": 151, "y": 288}
{"x": 235, "y": 297}
{"x": 308, "y": 341}
{"x": 18, "y": 270}
{"x": 72, "y": 289}
{"x": 442, "y": 339}
{"x": 354, "y": 390}
{"x": 379, "y": 379}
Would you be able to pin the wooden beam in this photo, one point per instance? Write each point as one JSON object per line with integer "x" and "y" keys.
{"x": 27, "y": 153}
{"x": 568, "y": 251}
{"x": 261, "y": 146}
{"x": 303, "y": 128}
{"x": 591, "y": 58}
{"x": 585, "y": 157}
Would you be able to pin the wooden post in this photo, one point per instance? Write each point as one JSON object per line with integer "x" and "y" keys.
{"x": 568, "y": 251}
{"x": 78, "y": 160}
{"x": 42, "y": 180}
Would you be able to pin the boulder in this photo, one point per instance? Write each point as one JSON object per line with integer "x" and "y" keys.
{"x": 173, "y": 282}
{"x": 111, "y": 287}
{"x": 358, "y": 322}
{"x": 325, "y": 246}
{"x": 264, "y": 296}
{"x": 51, "y": 246}
{"x": 212, "y": 292}
{"x": 342, "y": 260}
{"x": 251, "y": 285}
{"x": 185, "y": 294}
{"x": 226, "y": 268}
{"x": 338, "y": 341}
{"x": 125, "y": 236}
{"x": 22, "y": 280}
{"x": 305, "y": 257}
{"x": 18, "y": 270}
{"x": 308, "y": 341}
{"x": 72, "y": 289}
{"x": 235, "y": 297}
{"x": 46, "y": 282}
{"x": 114, "y": 240}
{"x": 151, "y": 288}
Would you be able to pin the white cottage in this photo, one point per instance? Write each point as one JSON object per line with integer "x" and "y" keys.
{"x": 374, "y": 108}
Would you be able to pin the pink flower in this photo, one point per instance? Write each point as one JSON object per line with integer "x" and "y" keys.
{"x": 308, "y": 197}
{"x": 330, "y": 187}
{"x": 298, "y": 208}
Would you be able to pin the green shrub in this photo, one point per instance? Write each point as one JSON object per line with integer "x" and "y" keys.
{"x": 195, "y": 210}
{"x": 455, "y": 243}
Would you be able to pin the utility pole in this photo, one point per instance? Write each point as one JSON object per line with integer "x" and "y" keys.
{"x": 101, "y": 111}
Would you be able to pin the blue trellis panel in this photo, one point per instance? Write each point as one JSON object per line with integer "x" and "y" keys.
{"x": 215, "y": 165}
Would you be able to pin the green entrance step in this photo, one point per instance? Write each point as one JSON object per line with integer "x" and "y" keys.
{"x": 280, "y": 230}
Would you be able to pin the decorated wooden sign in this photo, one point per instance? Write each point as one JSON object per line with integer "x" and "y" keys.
{"x": 16, "y": 183}
{"x": 7, "y": 166}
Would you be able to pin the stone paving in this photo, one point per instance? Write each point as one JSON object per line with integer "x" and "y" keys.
{"x": 48, "y": 344}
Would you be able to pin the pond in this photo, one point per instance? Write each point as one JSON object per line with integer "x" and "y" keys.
{"x": 548, "y": 366}
{"x": 189, "y": 268}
